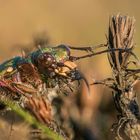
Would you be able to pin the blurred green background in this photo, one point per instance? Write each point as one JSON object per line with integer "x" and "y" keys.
{"x": 73, "y": 22}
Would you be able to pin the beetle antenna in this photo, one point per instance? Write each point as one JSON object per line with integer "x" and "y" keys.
{"x": 88, "y": 49}
{"x": 39, "y": 47}
{"x": 73, "y": 58}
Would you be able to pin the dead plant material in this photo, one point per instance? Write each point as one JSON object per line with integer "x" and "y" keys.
{"x": 121, "y": 32}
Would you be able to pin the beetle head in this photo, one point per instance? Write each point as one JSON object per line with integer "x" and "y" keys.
{"x": 46, "y": 60}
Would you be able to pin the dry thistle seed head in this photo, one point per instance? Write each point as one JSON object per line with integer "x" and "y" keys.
{"x": 121, "y": 30}
{"x": 120, "y": 36}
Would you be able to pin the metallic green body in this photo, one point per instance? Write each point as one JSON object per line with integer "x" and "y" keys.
{"x": 10, "y": 63}
{"x": 59, "y": 53}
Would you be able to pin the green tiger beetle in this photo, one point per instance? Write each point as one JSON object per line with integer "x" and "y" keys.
{"x": 49, "y": 65}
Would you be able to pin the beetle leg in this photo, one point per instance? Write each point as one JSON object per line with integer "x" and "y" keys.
{"x": 4, "y": 84}
{"x": 24, "y": 89}
{"x": 7, "y": 91}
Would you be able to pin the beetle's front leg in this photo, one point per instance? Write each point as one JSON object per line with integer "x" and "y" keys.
{"x": 24, "y": 89}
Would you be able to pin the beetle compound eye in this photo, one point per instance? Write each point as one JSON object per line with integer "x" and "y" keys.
{"x": 45, "y": 60}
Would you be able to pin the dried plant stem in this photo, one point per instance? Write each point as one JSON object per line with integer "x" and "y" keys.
{"x": 121, "y": 29}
